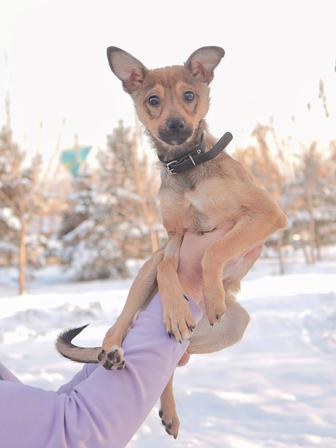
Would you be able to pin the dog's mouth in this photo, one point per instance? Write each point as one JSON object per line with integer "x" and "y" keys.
{"x": 169, "y": 147}
{"x": 175, "y": 138}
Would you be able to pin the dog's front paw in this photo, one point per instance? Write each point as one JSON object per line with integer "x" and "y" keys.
{"x": 214, "y": 298}
{"x": 170, "y": 420}
{"x": 178, "y": 319}
{"x": 113, "y": 359}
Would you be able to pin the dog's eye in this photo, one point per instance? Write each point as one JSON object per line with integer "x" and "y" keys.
{"x": 188, "y": 96}
{"x": 154, "y": 101}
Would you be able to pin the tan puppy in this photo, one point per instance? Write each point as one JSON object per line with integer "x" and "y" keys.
{"x": 171, "y": 103}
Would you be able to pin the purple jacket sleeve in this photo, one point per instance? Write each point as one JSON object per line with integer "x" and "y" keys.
{"x": 7, "y": 375}
{"x": 78, "y": 378}
{"x": 99, "y": 408}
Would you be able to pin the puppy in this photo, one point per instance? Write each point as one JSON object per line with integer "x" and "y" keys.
{"x": 202, "y": 188}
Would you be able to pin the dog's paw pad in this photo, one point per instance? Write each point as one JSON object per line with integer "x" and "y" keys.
{"x": 113, "y": 359}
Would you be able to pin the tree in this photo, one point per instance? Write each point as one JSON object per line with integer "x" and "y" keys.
{"x": 316, "y": 204}
{"x": 18, "y": 198}
{"x": 266, "y": 162}
{"x": 111, "y": 212}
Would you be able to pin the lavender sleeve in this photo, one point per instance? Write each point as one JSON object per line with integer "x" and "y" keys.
{"x": 98, "y": 408}
{"x": 78, "y": 378}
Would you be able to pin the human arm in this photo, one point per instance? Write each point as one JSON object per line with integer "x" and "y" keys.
{"x": 106, "y": 408}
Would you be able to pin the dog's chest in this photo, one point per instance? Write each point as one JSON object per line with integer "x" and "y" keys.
{"x": 201, "y": 208}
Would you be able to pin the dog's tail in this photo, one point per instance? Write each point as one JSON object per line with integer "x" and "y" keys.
{"x": 67, "y": 349}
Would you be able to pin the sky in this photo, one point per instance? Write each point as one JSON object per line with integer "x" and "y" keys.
{"x": 53, "y": 63}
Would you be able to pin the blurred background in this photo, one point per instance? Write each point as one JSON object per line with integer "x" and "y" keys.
{"x": 79, "y": 209}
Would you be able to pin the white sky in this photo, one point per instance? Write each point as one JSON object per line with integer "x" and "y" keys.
{"x": 276, "y": 52}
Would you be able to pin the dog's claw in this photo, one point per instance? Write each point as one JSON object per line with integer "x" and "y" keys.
{"x": 169, "y": 420}
{"x": 179, "y": 321}
{"x": 214, "y": 303}
{"x": 122, "y": 365}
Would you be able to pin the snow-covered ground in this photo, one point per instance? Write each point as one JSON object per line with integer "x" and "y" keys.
{"x": 276, "y": 388}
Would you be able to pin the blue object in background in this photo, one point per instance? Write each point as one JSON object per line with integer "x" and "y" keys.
{"x": 73, "y": 158}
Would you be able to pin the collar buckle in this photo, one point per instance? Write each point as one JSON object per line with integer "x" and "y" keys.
{"x": 170, "y": 167}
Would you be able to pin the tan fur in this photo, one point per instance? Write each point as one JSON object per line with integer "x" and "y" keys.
{"x": 200, "y": 200}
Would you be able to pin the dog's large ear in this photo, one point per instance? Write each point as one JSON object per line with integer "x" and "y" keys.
{"x": 127, "y": 68}
{"x": 203, "y": 62}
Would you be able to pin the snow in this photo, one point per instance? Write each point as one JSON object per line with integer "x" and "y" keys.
{"x": 275, "y": 389}
{"x": 6, "y": 214}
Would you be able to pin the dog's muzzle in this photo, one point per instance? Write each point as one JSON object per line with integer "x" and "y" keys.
{"x": 175, "y": 131}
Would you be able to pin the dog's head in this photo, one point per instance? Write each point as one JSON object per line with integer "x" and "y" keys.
{"x": 171, "y": 101}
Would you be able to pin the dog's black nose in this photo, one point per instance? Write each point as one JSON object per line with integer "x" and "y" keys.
{"x": 175, "y": 125}
{"x": 175, "y": 131}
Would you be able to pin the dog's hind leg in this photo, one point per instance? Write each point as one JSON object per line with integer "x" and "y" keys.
{"x": 141, "y": 291}
{"x": 205, "y": 339}
{"x": 232, "y": 325}
{"x": 167, "y": 411}
{"x": 229, "y": 330}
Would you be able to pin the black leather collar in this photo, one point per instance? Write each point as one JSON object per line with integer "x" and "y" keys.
{"x": 197, "y": 156}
